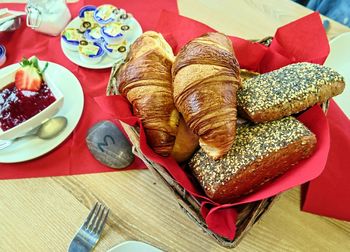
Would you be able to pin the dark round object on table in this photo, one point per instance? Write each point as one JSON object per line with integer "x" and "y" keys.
{"x": 109, "y": 145}
{"x": 125, "y": 27}
{"x": 83, "y": 42}
{"x": 122, "y": 49}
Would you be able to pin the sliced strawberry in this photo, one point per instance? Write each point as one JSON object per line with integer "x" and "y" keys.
{"x": 29, "y": 76}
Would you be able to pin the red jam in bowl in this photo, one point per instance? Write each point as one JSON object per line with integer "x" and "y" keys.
{"x": 17, "y": 106}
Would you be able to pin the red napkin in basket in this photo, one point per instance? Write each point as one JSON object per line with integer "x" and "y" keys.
{"x": 179, "y": 30}
{"x": 301, "y": 40}
{"x": 292, "y": 43}
{"x": 329, "y": 194}
{"x": 72, "y": 156}
{"x": 219, "y": 217}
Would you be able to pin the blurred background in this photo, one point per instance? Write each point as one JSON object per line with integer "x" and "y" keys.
{"x": 338, "y": 10}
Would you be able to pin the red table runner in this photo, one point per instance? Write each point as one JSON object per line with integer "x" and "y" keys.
{"x": 72, "y": 156}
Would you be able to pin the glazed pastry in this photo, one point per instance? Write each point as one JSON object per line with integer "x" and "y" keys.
{"x": 246, "y": 74}
{"x": 261, "y": 152}
{"x": 287, "y": 91}
{"x": 205, "y": 81}
{"x": 186, "y": 143}
{"x": 145, "y": 80}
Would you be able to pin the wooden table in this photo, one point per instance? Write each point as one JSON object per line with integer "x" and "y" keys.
{"x": 44, "y": 214}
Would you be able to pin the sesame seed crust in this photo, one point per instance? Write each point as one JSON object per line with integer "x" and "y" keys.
{"x": 287, "y": 91}
{"x": 254, "y": 144}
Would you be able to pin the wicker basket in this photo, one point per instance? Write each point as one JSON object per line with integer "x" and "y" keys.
{"x": 248, "y": 214}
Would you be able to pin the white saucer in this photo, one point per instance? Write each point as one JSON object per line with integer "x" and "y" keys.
{"x": 106, "y": 61}
{"x": 32, "y": 147}
{"x": 138, "y": 246}
{"x": 339, "y": 60}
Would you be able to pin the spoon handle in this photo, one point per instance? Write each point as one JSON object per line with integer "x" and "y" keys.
{"x": 5, "y": 143}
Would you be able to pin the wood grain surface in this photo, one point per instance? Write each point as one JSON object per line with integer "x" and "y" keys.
{"x": 44, "y": 214}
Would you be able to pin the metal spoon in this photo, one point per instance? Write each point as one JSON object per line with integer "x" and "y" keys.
{"x": 47, "y": 130}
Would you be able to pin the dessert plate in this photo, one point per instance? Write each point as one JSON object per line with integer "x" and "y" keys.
{"x": 338, "y": 59}
{"x": 138, "y": 246}
{"x": 31, "y": 147}
{"x": 106, "y": 61}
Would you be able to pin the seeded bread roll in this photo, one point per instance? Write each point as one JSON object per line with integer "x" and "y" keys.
{"x": 287, "y": 91}
{"x": 261, "y": 152}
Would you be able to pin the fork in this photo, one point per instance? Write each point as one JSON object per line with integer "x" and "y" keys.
{"x": 89, "y": 233}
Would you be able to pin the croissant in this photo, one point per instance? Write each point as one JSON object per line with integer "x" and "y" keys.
{"x": 205, "y": 81}
{"x": 145, "y": 80}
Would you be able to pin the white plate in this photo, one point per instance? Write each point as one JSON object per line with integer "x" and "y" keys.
{"x": 106, "y": 61}
{"x": 339, "y": 60}
{"x": 32, "y": 147}
{"x": 130, "y": 246}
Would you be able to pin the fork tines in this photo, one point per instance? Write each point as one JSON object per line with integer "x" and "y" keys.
{"x": 89, "y": 233}
{"x": 96, "y": 218}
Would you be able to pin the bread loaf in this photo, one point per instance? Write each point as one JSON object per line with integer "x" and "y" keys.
{"x": 205, "y": 81}
{"x": 261, "y": 152}
{"x": 186, "y": 143}
{"x": 145, "y": 80}
{"x": 287, "y": 91}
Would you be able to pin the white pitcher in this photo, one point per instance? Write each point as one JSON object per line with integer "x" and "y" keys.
{"x": 47, "y": 16}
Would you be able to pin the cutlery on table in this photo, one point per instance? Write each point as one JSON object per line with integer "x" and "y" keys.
{"x": 90, "y": 232}
{"x": 47, "y": 130}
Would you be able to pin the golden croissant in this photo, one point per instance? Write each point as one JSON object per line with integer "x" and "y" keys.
{"x": 145, "y": 80}
{"x": 205, "y": 81}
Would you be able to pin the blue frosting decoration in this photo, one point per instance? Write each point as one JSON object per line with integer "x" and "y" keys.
{"x": 102, "y": 21}
{"x": 100, "y": 51}
{"x": 2, "y": 51}
{"x": 72, "y": 42}
{"x": 86, "y": 8}
{"x": 110, "y": 36}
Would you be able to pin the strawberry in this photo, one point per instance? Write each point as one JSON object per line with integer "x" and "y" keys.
{"x": 29, "y": 76}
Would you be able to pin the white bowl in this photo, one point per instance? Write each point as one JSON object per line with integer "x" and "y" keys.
{"x": 22, "y": 128}
{"x": 101, "y": 9}
{"x": 94, "y": 34}
{"x": 71, "y": 44}
{"x": 115, "y": 53}
{"x": 112, "y": 38}
{"x": 92, "y": 59}
{"x": 2, "y": 55}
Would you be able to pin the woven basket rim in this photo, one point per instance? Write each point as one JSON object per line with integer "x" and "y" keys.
{"x": 189, "y": 204}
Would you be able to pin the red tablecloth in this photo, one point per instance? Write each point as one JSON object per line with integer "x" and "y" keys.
{"x": 72, "y": 156}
